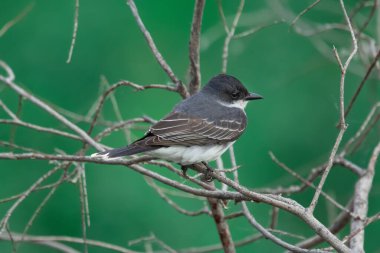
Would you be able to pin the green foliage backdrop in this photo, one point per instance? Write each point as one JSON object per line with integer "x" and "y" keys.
{"x": 296, "y": 120}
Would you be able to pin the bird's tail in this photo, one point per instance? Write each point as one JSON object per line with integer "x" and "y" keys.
{"x": 124, "y": 151}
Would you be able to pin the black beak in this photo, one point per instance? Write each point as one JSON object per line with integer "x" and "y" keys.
{"x": 253, "y": 96}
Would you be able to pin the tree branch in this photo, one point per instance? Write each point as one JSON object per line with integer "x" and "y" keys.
{"x": 194, "y": 44}
{"x": 160, "y": 59}
{"x": 342, "y": 121}
{"x": 360, "y": 202}
{"x": 51, "y": 111}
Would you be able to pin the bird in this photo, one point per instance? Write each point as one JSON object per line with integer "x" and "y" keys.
{"x": 199, "y": 129}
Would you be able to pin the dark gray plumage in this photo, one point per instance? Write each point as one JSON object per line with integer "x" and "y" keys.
{"x": 213, "y": 116}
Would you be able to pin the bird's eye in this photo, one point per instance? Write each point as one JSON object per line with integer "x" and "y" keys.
{"x": 235, "y": 94}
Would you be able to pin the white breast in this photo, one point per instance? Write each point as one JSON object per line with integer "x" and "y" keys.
{"x": 190, "y": 155}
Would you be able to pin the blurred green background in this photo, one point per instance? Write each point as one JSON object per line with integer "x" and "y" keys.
{"x": 296, "y": 120}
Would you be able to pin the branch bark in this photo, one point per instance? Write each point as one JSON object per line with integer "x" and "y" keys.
{"x": 194, "y": 44}
{"x": 360, "y": 202}
{"x": 51, "y": 111}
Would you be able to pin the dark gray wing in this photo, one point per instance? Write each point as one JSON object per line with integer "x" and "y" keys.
{"x": 180, "y": 129}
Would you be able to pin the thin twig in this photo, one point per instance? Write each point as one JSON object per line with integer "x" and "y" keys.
{"x": 361, "y": 130}
{"x": 229, "y": 36}
{"x": 38, "y": 210}
{"x": 118, "y": 126}
{"x": 75, "y": 31}
{"x": 255, "y": 30}
{"x": 181, "y": 89}
{"x": 223, "y": 17}
{"x": 360, "y": 202}
{"x": 40, "y": 128}
{"x": 51, "y": 111}
{"x": 152, "y": 238}
{"x": 211, "y": 248}
{"x": 289, "y": 205}
{"x": 270, "y": 236}
{"x": 171, "y": 202}
{"x": 10, "y": 74}
{"x": 112, "y": 88}
{"x": 306, "y": 182}
{"x": 342, "y": 121}
{"x": 339, "y": 223}
{"x": 363, "y": 81}
{"x": 83, "y": 212}
{"x": 274, "y": 217}
{"x": 17, "y": 19}
{"x": 369, "y": 18}
{"x": 7, "y": 216}
{"x": 104, "y": 82}
{"x": 304, "y": 12}
{"x": 14, "y": 146}
{"x": 8, "y": 111}
{"x": 52, "y": 242}
{"x": 194, "y": 45}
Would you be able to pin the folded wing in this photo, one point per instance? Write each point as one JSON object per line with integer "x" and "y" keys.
{"x": 179, "y": 129}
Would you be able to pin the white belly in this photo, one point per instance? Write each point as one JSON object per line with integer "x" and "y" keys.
{"x": 190, "y": 155}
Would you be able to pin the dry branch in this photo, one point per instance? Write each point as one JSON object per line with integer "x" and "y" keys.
{"x": 51, "y": 111}
{"x": 75, "y": 31}
{"x": 342, "y": 121}
{"x": 160, "y": 59}
{"x": 360, "y": 202}
{"x": 194, "y": 44}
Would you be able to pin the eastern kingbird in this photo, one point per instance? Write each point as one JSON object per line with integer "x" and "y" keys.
{"x": 199, "y": 129}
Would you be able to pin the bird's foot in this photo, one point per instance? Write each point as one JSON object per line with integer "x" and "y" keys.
{"x": 207, "y": 176}
{"x": 184, "y": 169}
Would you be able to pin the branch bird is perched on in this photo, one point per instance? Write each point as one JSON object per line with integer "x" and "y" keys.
{"x": 199, "y": 129}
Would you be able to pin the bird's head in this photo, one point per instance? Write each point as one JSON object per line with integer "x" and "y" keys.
{"x": 229, "y": 91}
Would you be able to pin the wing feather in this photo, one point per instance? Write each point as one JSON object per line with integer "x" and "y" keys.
{"x": 181, "y": 129}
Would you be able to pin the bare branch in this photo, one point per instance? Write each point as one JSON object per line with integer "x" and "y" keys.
{"x": 113, "y": 87}
{"x": 306, "y": 182}
{"x": 369, "y": 18}
{"x": 360, "y": 202}
{"x": 221, "y": 225}
{"x": 223, "y": 17}
{"x": 52, "y": 242}
{"x": 194, "y": 44}
{"x": 242, "y": 242}
{"x": 84, "y": 207}
{"x": 171, "y": 202}
{"x": 349, "y": 165}
{"x": 14, "y": 146}
{"x": 40, "y": 128}
{"x": 363, "y": 81}
{"x": 255, "y": 30}
{"x": 10, "y": 74}
{"x": 361, "y": 130}
{"x": 7, "y": 216}
{"x": 340, "y": 222}
{"x": 120, "y": 125}
{"x": 286, "y": 204}
{"x": 160, "y": 59}
{"x": 229, "y": 36}
{"x": 304, "y": 12}
{"x": 39, "y": 208}
{"x": 52, "y": 112}
{"x": 17, "y": 19}
{"x": 75, "y": 31}
{"x": 152, "y": 238}
{"x": 342, "y": 121}
{"x": 272, "y": 237}
{"x": 8, "y": 111}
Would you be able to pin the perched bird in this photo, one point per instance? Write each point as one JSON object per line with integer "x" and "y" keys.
{"x": 199, "y": 129}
